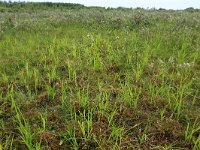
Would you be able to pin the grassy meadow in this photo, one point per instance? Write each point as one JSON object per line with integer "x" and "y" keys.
{"x": 96, "y": 78}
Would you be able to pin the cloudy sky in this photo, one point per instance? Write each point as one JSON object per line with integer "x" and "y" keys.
{"x": 168, "y": 4}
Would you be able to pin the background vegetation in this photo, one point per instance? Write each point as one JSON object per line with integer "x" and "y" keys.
{"x": 73, "y": 77}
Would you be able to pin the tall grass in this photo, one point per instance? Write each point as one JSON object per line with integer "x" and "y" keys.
{"x": 99, "y": 79}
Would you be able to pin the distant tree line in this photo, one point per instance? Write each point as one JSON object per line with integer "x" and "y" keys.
{"x": 14, "y": 6}
{"x": 38, "y": 5}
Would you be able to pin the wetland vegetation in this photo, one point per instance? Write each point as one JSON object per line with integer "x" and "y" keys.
{"x": 75, "y": 77}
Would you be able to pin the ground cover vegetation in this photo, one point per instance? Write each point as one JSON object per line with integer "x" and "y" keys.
{"x": 94, "y": 78}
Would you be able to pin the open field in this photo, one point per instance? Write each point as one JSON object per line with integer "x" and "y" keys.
{"x": 95, "y": 78}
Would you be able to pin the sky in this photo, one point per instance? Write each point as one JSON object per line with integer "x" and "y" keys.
{"x": 167, "y": 4}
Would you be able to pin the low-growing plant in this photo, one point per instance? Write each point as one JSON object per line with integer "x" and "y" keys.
{"x": 98, "y": 78}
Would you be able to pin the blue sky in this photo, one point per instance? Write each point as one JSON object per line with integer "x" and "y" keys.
{"x": 168, "y": 4}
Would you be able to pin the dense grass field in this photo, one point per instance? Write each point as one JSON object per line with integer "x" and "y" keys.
{"x": 95, "y": 78}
